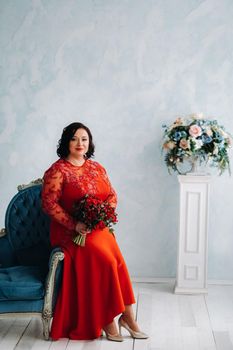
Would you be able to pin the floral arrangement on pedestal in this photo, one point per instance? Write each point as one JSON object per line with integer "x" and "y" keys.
{"x": 195, "y": 138}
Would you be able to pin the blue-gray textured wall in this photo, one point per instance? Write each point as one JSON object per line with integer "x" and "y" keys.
{"x": 123, "y": 67}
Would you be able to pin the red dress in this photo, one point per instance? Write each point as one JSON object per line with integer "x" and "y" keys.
{"x": 96, "y": 284}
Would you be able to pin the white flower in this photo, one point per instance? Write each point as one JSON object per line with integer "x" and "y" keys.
{"x": 215, "y": 151}
{"x": 198, "y": 143}
{"x": 223, "y": 133}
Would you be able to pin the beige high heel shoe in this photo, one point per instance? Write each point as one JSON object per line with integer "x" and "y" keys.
{"x": 113, "y": 337}
{"x": 134, "y": 334}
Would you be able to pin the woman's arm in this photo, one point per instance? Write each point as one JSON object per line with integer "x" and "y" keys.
{"x": 51, "y": 193}
{"x": 112, "y": 196}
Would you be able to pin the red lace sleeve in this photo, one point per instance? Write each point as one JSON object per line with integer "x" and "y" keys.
{"x": 51, "y": 193}
{"x": 112, "y": 197}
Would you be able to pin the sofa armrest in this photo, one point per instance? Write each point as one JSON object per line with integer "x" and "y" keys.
{"x": 2, "y": 232}
{"x": 51, "y": 285}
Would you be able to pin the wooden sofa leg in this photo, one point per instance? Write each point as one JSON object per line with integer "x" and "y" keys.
{"x": 46, "y": 319}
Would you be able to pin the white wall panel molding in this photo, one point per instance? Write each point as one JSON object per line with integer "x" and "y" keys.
{"x": 154, "y": 280}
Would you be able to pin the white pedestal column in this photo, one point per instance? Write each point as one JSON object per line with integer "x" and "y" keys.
{"x": 193, "y": 234}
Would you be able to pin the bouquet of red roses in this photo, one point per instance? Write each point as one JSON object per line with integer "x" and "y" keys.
{"x": 95, "y": 213}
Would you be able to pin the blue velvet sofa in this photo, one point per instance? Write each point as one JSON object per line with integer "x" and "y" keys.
{"x": 30, "y": 272}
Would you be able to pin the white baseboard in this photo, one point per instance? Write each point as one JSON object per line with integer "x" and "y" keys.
{"x": 136, "y": 279}
{"x": 152, "y": 280}
{"x": 221, "y": 282}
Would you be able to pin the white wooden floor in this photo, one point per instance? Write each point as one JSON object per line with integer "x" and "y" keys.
{"x": 174, "y": 322}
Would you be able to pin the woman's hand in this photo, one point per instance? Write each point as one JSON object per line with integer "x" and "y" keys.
{"x": 81, "y": 228}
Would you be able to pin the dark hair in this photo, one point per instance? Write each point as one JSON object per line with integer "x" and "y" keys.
{"x": 68, "y": 133}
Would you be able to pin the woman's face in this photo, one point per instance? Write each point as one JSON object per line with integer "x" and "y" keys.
{"x": 79, "y": 144}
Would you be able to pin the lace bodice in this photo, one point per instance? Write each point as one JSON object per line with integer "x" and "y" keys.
{"x": 65, "y": 183}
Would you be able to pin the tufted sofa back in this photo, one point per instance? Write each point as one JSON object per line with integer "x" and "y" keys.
{"x": 27, "y": 228}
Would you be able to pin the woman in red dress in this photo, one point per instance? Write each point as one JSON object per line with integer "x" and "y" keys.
{"x": 96, "y": 286}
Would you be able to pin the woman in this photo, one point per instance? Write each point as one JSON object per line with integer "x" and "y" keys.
{"x": 96, "y": 286}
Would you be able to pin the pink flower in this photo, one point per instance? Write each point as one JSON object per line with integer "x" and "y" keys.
{"x": 184, "y": 144}
{"x": 178, "y": 121}
{"x": 169, "y": 145}
{"x": 208, "y": 132}
{"x": 229, "y": 141}
{"x": 195, "y": 130}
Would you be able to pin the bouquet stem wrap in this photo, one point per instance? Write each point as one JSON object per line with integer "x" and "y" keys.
{"x": 80, "y": 239}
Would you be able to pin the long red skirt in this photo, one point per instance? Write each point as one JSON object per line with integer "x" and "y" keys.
{"x": 95, "y": 288}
